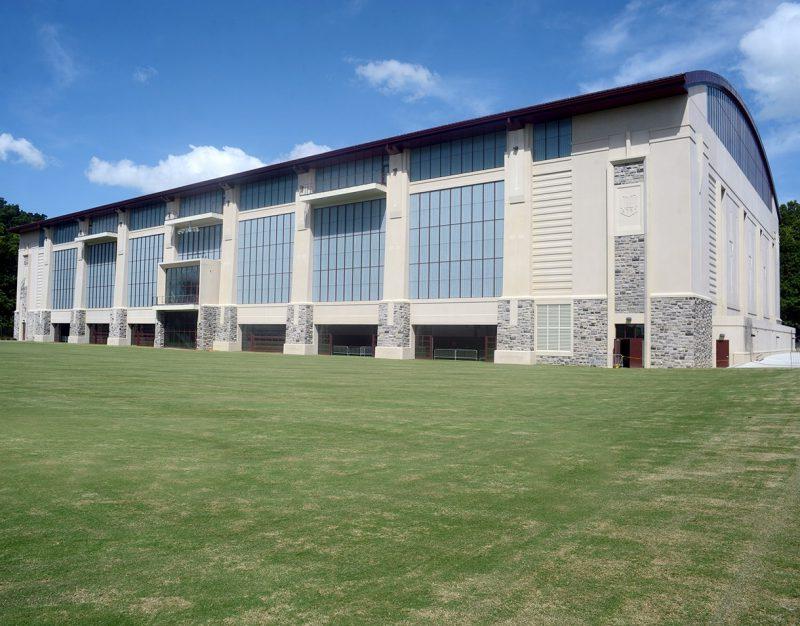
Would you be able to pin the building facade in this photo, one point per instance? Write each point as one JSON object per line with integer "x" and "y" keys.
{"x": 636, "y": 226}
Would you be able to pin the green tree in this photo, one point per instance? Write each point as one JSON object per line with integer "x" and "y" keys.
{"x": 10, "y": 215}
{"x": 790, "y": 263}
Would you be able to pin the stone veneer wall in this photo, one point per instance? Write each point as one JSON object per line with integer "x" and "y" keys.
{"x": 228, "y": 328}
{"x": 207, "y": 322}
{"x": 629, "y": 294}
{"x": 398, "y": 334}
{"x": 589, "y": 335}
{"x": 301, "y": 331}
{"x": 118, "y": 327}
{"x": 627, "y": 173}
{"x": 520, "y": 335}
{"x": 77, "y": 323}
{"x": 158, "y": 340}
{"x": 17, "y": 320}
{"x": 681, "y": 332}
{"x": 38, "y": 323}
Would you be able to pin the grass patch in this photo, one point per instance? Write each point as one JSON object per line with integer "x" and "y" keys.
{"x": 160, "y": 485}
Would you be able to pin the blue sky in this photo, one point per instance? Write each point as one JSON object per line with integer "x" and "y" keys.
{"x": 107, "y": 100}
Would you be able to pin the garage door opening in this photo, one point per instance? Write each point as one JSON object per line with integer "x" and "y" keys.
{"x": 457, "y": 343}
{"x": 180, "y": 329}
{"x": 263, "y": 337}
{"x": 348, "y": 339}
{"x": 143, "y": 335}
{"x": 61, "y": 333}
{"x": 98, "y": 333}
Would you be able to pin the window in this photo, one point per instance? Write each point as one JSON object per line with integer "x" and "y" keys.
{"x": 348, "y": 251}
{"x": 183, "y": 284}
{"x": 206, "y": 202}
{"x": 65, "y": 233}
{"x": 456, "y": 242}
{"x": 552, "y": 140}
{"x": 200, "y": 243}
{"x": 64, "y": 277}
{"x": 103, "y": 224}
{"x": 459, "y": 156}
{"x": 267, "y": 192}
{"x": 554, "y": 327}
{"x": 352, "y": 173}
{"x": 265, "y": 259}
{"x": 145, "y": 255}
{"x": 147, "y": 216}
{"x": 101, "y": 261}
{"x": 733, "y": 130}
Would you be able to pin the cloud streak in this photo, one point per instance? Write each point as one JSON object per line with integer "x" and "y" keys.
{"x": 412, "y": 83}
{"x": 22, "y": 149}
{"x": 145, "y": 74}
{"x": 60, "y": 61}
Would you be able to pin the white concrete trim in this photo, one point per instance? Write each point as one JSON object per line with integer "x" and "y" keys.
{"x": 514, "y": 357}
{"x": 356, "y": 193}
{"x": 103, "y": 237}
{"x": 395, "y": 353}
{"x": 202, "y": 219}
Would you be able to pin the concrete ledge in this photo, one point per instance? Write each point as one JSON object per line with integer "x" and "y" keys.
{"x": 78, "y": 339}
{"x": 303, "y": 349}
{"x": 44, "y": 338}
{"x": 391, "y": 352}
{"x": 514, "y": 357}
{"x": 226, "y": 346}
{"x": 119, "y": 341}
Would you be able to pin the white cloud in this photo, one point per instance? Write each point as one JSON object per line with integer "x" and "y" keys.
{"x": 144, "y": 74}
{"x": 393, "y": 77}
{"x": 771, "y": 62}
{"x": 413, "y": 82}
{"x": 24, "y": 150}
{"x": 610, "y": 39}
{"x": 200, "y": 163}
{"x": 300, "y": 150}
{"x": 58, "y": 58}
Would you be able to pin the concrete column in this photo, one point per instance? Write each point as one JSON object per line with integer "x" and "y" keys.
{"x": 118, "y": 331}
{"x": 515, "y": 309}
{"x": 300, "y": 336}
{"x": 170, "y": 236}
{"x": 394, "y": 329}
{"x": 226, "y": 336}
{"x": 47, "y": 259}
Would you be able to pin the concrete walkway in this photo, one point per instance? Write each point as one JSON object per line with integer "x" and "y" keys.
{"x": 784, "y": 359}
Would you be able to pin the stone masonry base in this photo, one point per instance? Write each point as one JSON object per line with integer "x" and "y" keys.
{"x": 681, "y": 332}
{"x": 394, "y": 331}
{"x": 77, "y": 327}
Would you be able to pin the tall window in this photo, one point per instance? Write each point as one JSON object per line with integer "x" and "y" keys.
{"x": 200, "y": 243}
{"x": 733, "y": 130}
{"x": 265, "y": 259}
{"x": 456, "y": 242}
{"x": 147, "y": 216}
{"x": 145, "y": 255}
{"x": 268, "y": 192}
{"x": 352, "y": 173}
{"x": 554, "y": 327}
{"x": 101, "y": 261}
{"x": 64, "y": 233}
{"x": 460, "y": 156}
{"x": 183, "y": 284}
{"x": 64, "y": 262}
{"x": 103, "y": 224}
{"x": 348, "y": 251}
{"x": 552, "y": 139}
{"x": 206, "y": 202}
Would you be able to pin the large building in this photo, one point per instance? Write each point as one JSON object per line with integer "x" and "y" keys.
{"x": 635, "y": 226}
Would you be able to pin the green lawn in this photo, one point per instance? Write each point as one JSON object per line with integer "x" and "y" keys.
{"x": 141, "y": 485}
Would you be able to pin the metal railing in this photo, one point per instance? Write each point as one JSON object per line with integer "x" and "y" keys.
{"x": 178, "y": 298}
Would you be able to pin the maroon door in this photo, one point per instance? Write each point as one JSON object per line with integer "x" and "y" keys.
{"x": 636, "y": 352}
{"x": 723, "y": 353}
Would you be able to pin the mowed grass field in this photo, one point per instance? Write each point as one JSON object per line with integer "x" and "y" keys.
{"x": 141, "y": 485}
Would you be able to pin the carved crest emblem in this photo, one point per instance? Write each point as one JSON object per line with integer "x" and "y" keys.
{"x": 629, "y": 205}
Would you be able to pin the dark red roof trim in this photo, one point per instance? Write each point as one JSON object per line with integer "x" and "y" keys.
{"x": 577, "y": 105}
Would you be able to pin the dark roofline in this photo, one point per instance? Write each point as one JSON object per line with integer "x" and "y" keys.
{"x": 677, "y": 84}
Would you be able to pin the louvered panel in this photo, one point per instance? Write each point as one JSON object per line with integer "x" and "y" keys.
{"x": 552, "y": 233}
{"x": 712, "y": 234}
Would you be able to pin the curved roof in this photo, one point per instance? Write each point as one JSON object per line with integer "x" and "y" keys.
{"x": 677, "y": 84}
{"x": 704, "y": 77}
